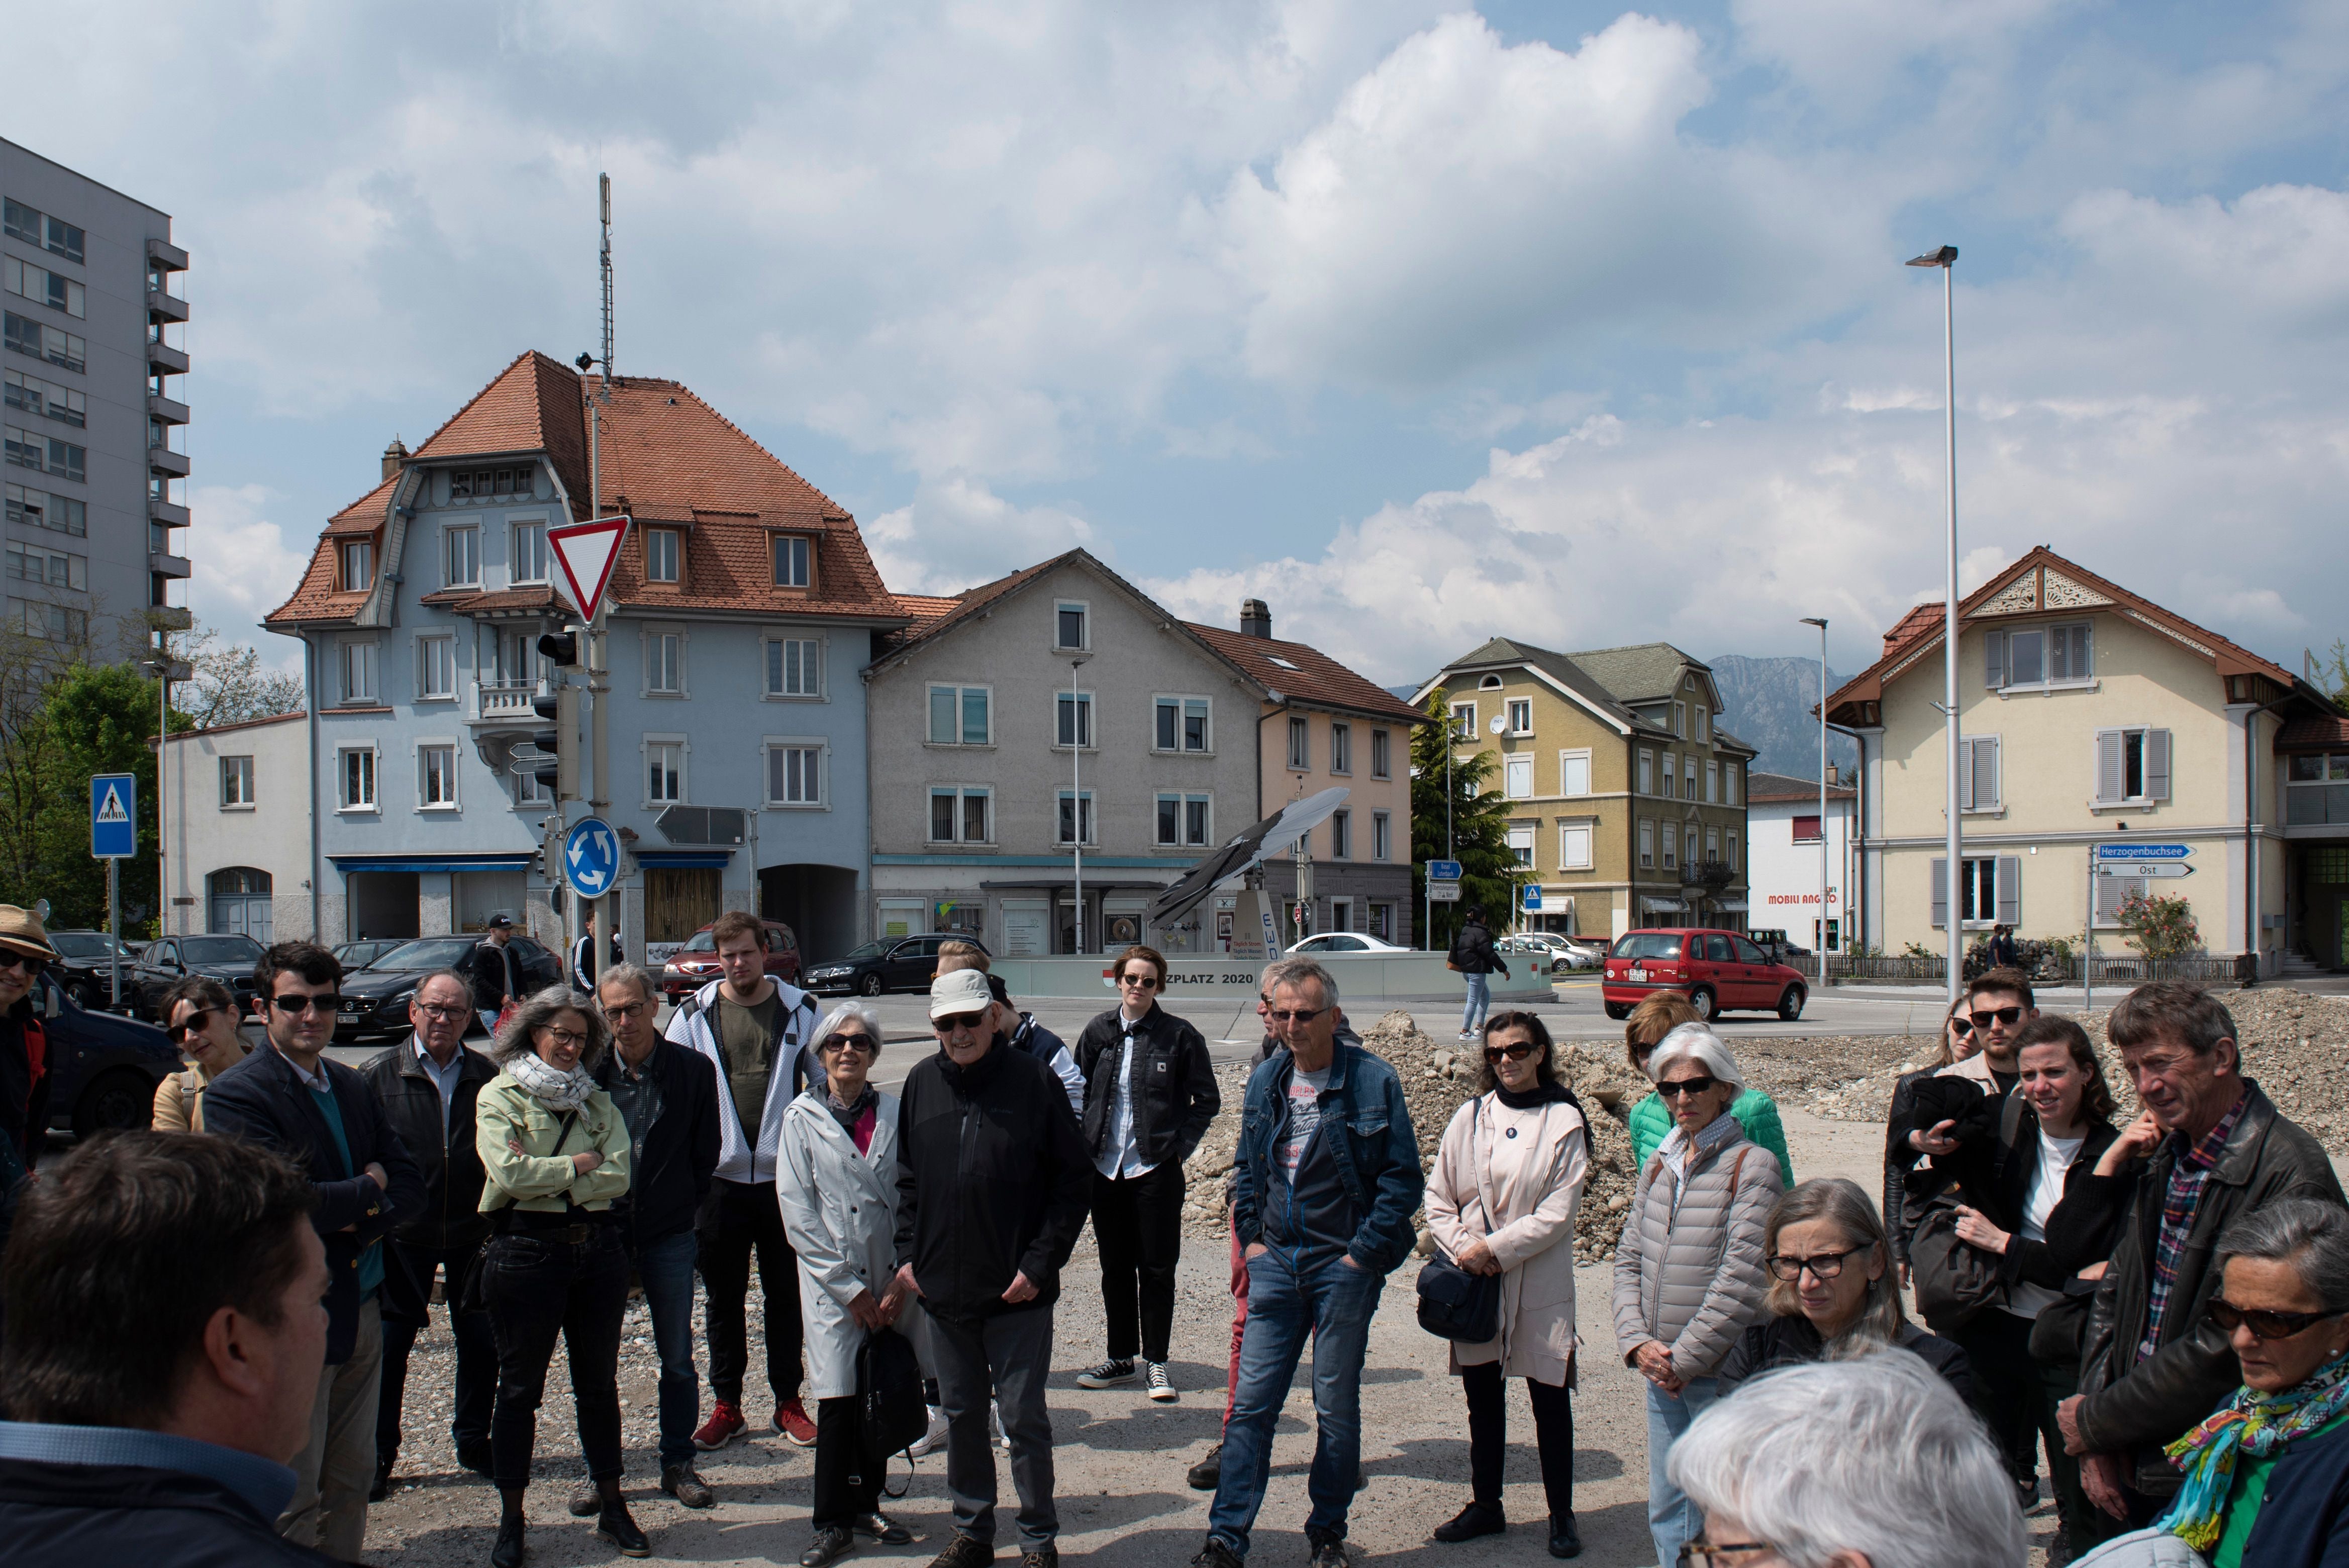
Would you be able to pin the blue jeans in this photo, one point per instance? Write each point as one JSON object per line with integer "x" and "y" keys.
{"x": 666, "y": 1268}
{"x": 1480, "y": 1001}
{"x": 1333, "y": 1304}
{"x": 1673, "y": 1519}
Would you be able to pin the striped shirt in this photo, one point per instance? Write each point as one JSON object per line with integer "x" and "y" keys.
{"x": 2183, "y": 1196}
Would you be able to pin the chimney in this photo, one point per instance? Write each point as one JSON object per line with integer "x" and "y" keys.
{"x": 1256, "y": 619}
{"x": 393, "y": 456}
{"x": 1834, "y": 773}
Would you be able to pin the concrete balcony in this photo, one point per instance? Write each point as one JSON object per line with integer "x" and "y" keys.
{"x": 165, "y": 308}
{"x": 164, "y": 512}
{"x": 173, "y": 259}
{"x": 171, "y": 410}
{"x": 496, "y": 702}
{"x": 163, "y": 565}
{"x": 164, "y": 460}
{"x": 162, "y": 357}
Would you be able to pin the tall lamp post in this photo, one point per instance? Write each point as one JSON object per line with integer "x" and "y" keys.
{"x": 1946, "y": 259}
{"x": 1821, "y": 623}
{"x": 1077, "y": 797}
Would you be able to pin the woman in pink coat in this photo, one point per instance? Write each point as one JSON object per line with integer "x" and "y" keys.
{"x": 1502, "y": 1201}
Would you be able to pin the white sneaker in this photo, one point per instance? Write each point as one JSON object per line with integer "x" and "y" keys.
{"x": 1160, "y": 1387}
{"x": 995, "y": 1419}
{"x": 931, "y": 1441}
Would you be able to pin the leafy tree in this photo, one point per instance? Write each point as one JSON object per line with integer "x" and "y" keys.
{"x": 1479, "y": 818}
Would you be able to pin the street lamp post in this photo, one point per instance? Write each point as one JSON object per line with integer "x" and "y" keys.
{"x": 1821, "y": 623}
{"x": 1077, "y": 797}
{"x": 1946, "y": 260}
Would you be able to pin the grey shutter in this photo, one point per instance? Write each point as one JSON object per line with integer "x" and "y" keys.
{"x": 2010, "y": 890}
{"x": 2156, "y": 765}
{"x": 2111, "y": 764}
{"x": 1966, "y": 774}
{"x": 815, "y": 676}
{"x": 1994, "y": 659}
{"x": 1940, "y": 891}
{"x": 1978, "y": 780}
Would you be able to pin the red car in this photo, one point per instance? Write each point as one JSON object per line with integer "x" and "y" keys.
{"x": 695, "y": 965}
{"x": 1717, "y": 971}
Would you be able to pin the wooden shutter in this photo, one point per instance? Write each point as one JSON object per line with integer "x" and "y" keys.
{"x": 2010, "y": 890}
{"x": 2111, "y": 764}
{"x": 1994, "y": 659}
{"x": 1940, "y": 891}
{"x": 2156, "y": 765}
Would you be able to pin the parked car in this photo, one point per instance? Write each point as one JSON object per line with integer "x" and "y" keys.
{"x": 359, "y": 954}
{"x": 695, "y": 965}
{"x": 1345, "y": 942}
{"x": 1585, "y": 952}
{"x": 171, "y": 959}
{"x": 1717, "y": 971}
{"x": 889, "y": 963}
{"x": 375, "y": 999}
{"x": 87, "y": 971}
{"x": 102, "y": 1068}
{"x": 1559, "y": 955}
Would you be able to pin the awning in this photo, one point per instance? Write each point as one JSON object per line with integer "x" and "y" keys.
{"x": 1052, "y": 884}
{"x": 1730, "y": 905}
{"x": 473, "y": 861}
{"x": 1661, "y": 905}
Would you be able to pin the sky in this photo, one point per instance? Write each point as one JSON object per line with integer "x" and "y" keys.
{"x": 1560, "y": 322}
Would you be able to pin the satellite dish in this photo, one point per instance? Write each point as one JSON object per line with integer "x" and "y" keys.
{"x": 1275, "y": 835}
{"x": 1499, "y": 724}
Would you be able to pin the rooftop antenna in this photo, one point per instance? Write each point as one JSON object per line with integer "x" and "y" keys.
{"x": 604, "y": 182}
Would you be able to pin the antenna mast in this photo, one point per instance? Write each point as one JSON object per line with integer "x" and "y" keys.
{"x": 605, "y": 181}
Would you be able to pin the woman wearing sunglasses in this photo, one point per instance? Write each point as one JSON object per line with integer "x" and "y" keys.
{"x": 1688, "y": 1272}
{"x": 1958, "y": 1043}
{"x": 202, "y": 1024}
{"x": 1651, "y": 1118}
{"x": 2267, "y": 1474}
{"x": 837, "y": 1182}
{"x": 1502, "y": 1201}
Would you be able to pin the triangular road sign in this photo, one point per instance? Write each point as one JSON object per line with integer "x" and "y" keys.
{"x": 586, "y": 553}
{"x": 110, "y": 809}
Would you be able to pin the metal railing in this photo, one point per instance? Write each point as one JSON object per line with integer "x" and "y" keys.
{"x": 2109, "y": 969}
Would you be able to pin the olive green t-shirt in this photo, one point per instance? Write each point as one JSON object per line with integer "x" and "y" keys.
{"x": 747, "y": 1035}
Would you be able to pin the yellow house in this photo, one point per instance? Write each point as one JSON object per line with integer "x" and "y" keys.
{"x": 1627, "y": 796}
{"x": 2095, "y": 725}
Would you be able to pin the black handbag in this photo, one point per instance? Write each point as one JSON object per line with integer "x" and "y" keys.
{"x": 1955, "y": 1280}
{"x": 889, "y": 1392}
{"x": 1456, "y": 1305}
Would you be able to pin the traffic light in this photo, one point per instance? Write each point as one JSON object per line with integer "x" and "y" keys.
{"x": 558, "y": 761}
{"x": 559, "y": 648}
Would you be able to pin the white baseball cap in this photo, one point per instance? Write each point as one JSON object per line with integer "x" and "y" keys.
{"x": 963, "y": 991}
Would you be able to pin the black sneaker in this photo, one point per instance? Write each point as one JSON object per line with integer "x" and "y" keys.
{"x": 1042, "y": 1557}
{"x": 1204, "y": 1475}
{"x": 2026, "y": 1492}
{"x": 831, "y": 1543}
{"x": 1329, "y": 1551}
{"x": 1215, "y": 1554}
{"x": 615, "y": 1526}
{"x": 962, "y": 1551}
{"x": 1470, "y": 1523}
{"x": 1564, "y": 1540}
{"x": 1108, "y": 1374}
{"x": 880, "y": 1527}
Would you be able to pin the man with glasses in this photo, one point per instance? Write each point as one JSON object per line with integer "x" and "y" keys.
{"x": 669, "y": 1097}
{"x": 429, "y": 1085}
{"x": 1998, "y": 1002}
{"x": 1329, "y": 1179}
{"x": 326, "y": 1118}
{"x": 2154, "y": 1364}
{"x": 993, "y": 1184}
{"x": 1150, "y": 1093}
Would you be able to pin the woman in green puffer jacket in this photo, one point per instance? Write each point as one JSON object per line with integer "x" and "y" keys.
{"x": 1651, "y": 1121}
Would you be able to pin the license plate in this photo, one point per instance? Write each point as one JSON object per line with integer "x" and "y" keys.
{"x": 347, "y": 1017}
{"x": 1638, "y": 974}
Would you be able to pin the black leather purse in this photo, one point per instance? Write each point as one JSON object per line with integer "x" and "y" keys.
{"x": 1458, "y": 1305}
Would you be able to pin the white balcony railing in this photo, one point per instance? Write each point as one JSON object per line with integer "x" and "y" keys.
{"x": 494, "y": 699}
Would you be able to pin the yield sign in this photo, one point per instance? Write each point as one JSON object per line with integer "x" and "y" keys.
{"x": 585, "y": 552}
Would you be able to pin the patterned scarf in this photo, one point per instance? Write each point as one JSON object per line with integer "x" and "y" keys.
{"x": 2253, "y": 1423}
{"x": 553, "y": 1088}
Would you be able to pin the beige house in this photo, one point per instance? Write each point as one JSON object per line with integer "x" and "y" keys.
{"x": 1626, "y": 796}
{"x": 2092, "y": 718}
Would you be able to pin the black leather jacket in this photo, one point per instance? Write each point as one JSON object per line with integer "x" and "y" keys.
{"x": 676, "y": 1156}
{"x": 451, "y": 1217}
{"x": 1175, "y": 1092}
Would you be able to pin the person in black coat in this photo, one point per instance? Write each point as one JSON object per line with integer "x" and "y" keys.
{"x": 1474, "y": 960}
{"x": 1150, "y": 1093}
{"x": 429, "y": 1085}
{"x": 163, "y": 1357}
{"x": 496, "y": 970}
{"x": 326, "y": 1118}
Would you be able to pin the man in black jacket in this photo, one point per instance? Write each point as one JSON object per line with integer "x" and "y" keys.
{"x": 1150, "y": 1093}
{"x": 429, "y": 1085}
{"x": 1473, "y": 957}
{"x": 496, "y": 970}
{"x": 2154, "y": 1364}
{"x": 993, "y": 1184}
{"x": 669, "y": 1097}
{"x": 163, "y": 1356}
{"x": 325, "y": 1118}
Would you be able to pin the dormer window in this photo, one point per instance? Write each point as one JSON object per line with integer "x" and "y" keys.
{"x": 791, "y": 554}
{"x": 487, "y": 484}
{"x": 358, "y": 566}
{"x": 660, "y": 555}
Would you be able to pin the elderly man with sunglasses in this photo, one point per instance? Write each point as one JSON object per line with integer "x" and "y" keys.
{"x": 993, "y": 1184}
{"x": 326, "y": 1118}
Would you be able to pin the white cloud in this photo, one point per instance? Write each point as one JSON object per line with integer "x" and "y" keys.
{"x": 244, "y": 566}
{"x": 957, "y": 533}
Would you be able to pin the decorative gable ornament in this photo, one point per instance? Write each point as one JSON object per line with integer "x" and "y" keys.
{"x": 586, "y": 553}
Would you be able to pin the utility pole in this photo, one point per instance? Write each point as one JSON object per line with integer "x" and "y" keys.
{"x": 1946, "y": 259}
{"x": 1077, "y": 798}
{"x": 596, "y": 918}
{"x": 1821, "y": 623}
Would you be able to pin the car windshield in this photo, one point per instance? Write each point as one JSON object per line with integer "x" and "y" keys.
{"x": 700, "y": 942}
{"x": 870, "y": 950}
{"x": 219, "y": 949}
{"x": 1649, "y": 945}
{"x": 79, "y": 944}
{"x": 426, "y": 953}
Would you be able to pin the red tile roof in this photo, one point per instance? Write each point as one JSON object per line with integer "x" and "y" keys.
{"x": 925, "y": 608}
{"x": 1309, "y": 675}
{"x": 2328, "y": 730}
{"x": 1919, "y": 619}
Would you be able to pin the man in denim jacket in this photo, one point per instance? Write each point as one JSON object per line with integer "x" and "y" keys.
{"x": 1328, "y": 1178}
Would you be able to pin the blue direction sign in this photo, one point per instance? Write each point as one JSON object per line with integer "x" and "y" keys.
{"x": 591, "y": 857}
{"x": 1444, "y": 871}
{"x": 114, "y": 817}
{"x": 2142, "y": 851}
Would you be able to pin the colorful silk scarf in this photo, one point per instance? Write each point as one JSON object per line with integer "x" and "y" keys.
{"x": 2253, "y": 1423}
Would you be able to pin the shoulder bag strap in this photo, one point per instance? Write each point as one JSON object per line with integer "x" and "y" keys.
{"x": 2010, "y": 1123}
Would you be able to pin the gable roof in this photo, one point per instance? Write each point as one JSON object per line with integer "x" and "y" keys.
{"x": 1772, "y": 787}
{"x": 1639, "y": 673}
{"x": 1558, "y": 669}
{"x": 1310, "y": 676}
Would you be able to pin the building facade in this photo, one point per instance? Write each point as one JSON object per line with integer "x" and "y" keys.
{"x": 94, "y": 410}
{"x": 1783, "y": 830}
{"x": 236, "y": 829}
{"x": 2091, "y": 716}
{"x": 1626, "y": 796}
{"x": 743, "y": 608}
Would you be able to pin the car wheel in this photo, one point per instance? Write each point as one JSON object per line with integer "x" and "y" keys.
{"x": 120, "y": 1100}
{"x": 1707, "y": 1007}
{"x": 1618, "y": 1010}
{"x": 1790, "y": 1006}
{"x": 870, "y": 986}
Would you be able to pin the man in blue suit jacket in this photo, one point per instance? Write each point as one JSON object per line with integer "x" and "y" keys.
{"x": 325, "y": 1118}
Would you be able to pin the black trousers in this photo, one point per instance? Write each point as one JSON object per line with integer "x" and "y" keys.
{"x": 2007, "y": 1392}
{"x": 847, "y": 1472}
{"x": 1488, "y": 1435}
{"x": 1138, "y": 1227}
{"x": 537, "y": 1287}
{"x": 739, "y": 1219}
{"x": 477, "y": 1348}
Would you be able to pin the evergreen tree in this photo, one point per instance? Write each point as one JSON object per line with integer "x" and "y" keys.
{"x": 1479, "y": 819}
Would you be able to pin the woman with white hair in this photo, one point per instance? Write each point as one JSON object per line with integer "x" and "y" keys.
{"x": 1867, "y": 1463}
{"x": 1689, "y": 1274}
{"x": 836, "y": 1180}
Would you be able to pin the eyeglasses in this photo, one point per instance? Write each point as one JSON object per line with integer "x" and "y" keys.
{"x": 1702, "y": 1554}
{"x": 439, "y": 1012}
{"x": 1516, "y": 1052}
{"x": 954, "y": 1022}
{"x": 194, "y": 1024}
{"x": 1685, "y": 1086}
{"x": 835, "y": 1043}
{"x": 325, "y": 1003}
{"x": 1825, "y": 1265}
{"x": 1295, "y": 1015}
{"x": 1142, "y": 981}
{"x": 2010, "y": 1016}
{"x": 11, "y": 959}
{"x": 571, "y": 1038}
{"x": 2262, "y": 1324}
{"x": 626, "y": 1011}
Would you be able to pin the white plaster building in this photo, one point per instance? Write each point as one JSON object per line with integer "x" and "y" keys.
{"x": 1783, "y": 828}
{"x": 236, "y": 829}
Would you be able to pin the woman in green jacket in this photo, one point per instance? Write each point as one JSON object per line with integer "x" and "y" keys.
{"x": 556, "y": 1153}
{"x": 1651, "y": 1121}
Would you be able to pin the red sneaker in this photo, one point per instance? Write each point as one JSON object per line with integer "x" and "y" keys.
{"x": 725, "y": 1424}
{"x": 791, "y": 1420}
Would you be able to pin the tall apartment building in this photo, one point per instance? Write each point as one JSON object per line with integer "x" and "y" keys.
{"x": 95, "y": 460}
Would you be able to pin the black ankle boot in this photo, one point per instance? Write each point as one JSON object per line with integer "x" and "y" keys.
{"x": 615, "y": 1526}
{"x": 1564, "y": 1540}
{"x": 508, "y": 1551}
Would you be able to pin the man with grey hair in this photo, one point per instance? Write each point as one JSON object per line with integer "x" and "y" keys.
{"x": 1873, "y": 1462}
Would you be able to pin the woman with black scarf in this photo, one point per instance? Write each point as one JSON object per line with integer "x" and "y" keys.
{"x": 1502, "y": 1201}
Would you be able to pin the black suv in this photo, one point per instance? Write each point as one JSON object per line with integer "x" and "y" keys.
{"x": 376, "y": 999}
{"x": 170, "y": 959}
{"x": 890, "y": 963}
{"x": 86, "y": 966}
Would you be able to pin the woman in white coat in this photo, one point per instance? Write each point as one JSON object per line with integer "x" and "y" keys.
{"x": 837, "y": 1183}
{"x": 1502, "y": 1201}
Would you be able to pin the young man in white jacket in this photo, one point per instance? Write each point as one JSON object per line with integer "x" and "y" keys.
{"x": 755, "y": 1030}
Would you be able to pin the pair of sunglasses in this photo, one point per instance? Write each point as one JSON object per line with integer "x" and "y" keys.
{"x": 1686, "y": 1087}
{"x": 2010, "y": 1016}
{"x": 1517, "y": 1053}
{"x": 190, "y": 1026}
{"x": 325, "y": 1003}
{"x": 2263, "y": 1325}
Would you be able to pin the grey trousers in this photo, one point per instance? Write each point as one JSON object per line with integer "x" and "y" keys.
{"x": 334, "y": 1470}
{"x": 1009, "y": 1356}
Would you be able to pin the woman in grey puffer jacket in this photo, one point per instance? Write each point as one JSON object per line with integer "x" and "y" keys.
{"x": 1688, "y": 1271}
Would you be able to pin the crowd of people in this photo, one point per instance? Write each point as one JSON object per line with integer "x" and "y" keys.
{"x": 206, "y": 1329}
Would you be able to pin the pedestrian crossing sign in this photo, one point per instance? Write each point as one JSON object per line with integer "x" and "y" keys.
{"x": 113, "y": 811}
